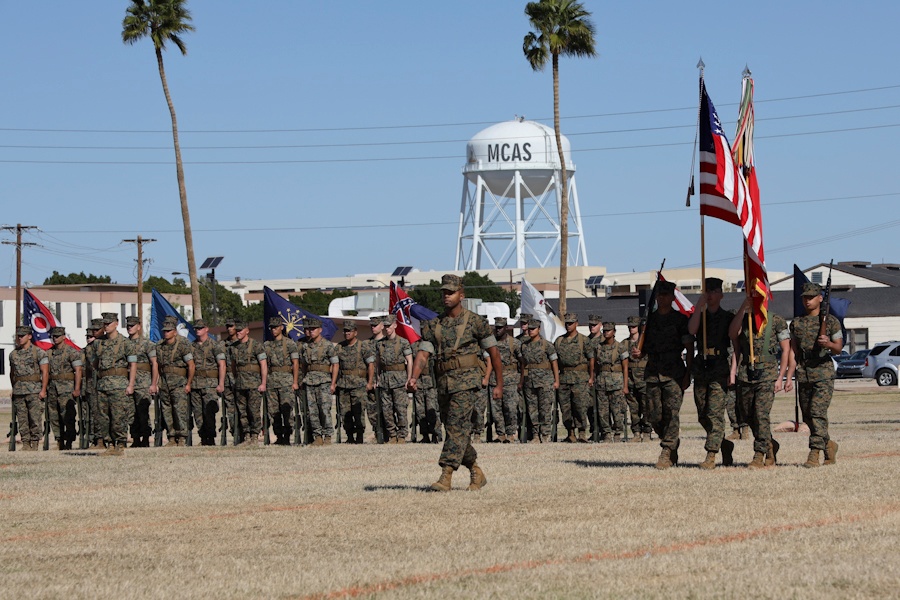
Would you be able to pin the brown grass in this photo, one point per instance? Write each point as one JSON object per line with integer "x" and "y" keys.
{"x": 557, "y": 520}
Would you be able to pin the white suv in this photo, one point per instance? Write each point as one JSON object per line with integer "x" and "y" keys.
{"x": 883, "y": 363}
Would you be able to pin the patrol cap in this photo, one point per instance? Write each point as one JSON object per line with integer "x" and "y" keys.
{"x": 594, "y": 319}
{"x": 130, "y": 321}
{"x": 349, "y": 326}
{"x": 200, "y": 324}
{"x": 525, "y": 317}
{"x": 451, "y": 283}
{"x": 375, "y": 320}
{"x": 88, "y": 333}
{"x": 229, "y": 322}
{"x": 389, "y": 320}
{"x": 713, "y": 284}
{"x": 276, "y": 322}
{"x": 96, "y": 324}
{"x": 23, "y": 330}
{"x": 109, "y": 317}
{"x": 609, "y": 326}
{"x": 634, "y": 321}
{"x": 240, "y": 325}
{"x": 534, "y": 324}
{"x": 57, "y": 331}
{"x": 811, "y": 289}
{"x": 665, "y": 287}
{"x": 311, "y": 323}
{"x": 570, "y": 318}
{"x": 169, "y": 324}
{"x": 499, "y": 321}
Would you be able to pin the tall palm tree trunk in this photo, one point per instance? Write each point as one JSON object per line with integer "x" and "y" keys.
{"x": 182, "y": 193}
{"x": 564, "y": 201}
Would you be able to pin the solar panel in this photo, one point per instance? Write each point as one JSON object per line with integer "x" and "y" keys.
{"x": 212, "y": 262}
{"x": 401, "y": 271}
{"x": 594, "y": 281}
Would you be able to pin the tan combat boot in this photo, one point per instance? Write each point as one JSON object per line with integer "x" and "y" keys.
{"x": 477, "y": 480}
{"x": 727, "y": 453}
{"x": 443, "y": 483}
{"x": 582, "y": 437}
{"x": 401, "y": 439}
{"x": 318, "y": 441}
{"x": 812, "y": 461}
{"x": 758, "y": 462}
{"x": 635, "y": 438}
{"x": 665, "y": 459}
{"x": 735, "y": 434}
{"x": 710, "y": 462}
{"x": 393, "y": 440}
{"x": 617, "y": 438}
{"x": 831, "y": 449}
{"x": 327, "y": 440}
{"x": 772, "y": 454}
{"x": 172, "y": 441}
{"x": 571, "y": 439}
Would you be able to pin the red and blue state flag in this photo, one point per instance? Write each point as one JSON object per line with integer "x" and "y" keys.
{"x": 41, "y": 321}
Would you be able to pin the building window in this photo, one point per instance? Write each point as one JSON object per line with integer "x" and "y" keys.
{"x": 122, "y": 312}
{"x": 857, "y": 339}
{"x": 90, "y": 311}
{"x": 58, "y": 312}
{"x": 817, "y": 277}
{"x": 133, "y": 309}
{"x": 78, "y": 315}
{"x": 1, "y": 313}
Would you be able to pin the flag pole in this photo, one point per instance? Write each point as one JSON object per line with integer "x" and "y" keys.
{"x": 740, "y": 156}
{"x": 701, "y": 66}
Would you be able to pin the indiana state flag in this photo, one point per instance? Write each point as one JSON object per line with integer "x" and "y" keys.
{"x": 292, "y": 316}
{"x": 159, "y": 310}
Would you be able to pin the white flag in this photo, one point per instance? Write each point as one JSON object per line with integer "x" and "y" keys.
{"x": 533, "y": 303}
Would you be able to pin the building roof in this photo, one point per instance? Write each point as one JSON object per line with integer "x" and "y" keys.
{"x": 884, "y": 273}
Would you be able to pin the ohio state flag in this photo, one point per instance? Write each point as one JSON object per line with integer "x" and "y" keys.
{"x": 41, "y": 321}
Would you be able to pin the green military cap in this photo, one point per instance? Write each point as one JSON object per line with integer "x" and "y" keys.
{"x": 811, "y": 289}
{"x": 96, "y": 323}
{"x": 451, "y": 283}
{"x": 109, "y": 317}
{"x": 349, "y": 325}
{"x": 169, "y": 324}
{"x": 229, "y": 322}
{"x": 88, "y": 332}
{"x": 240, "y": 325}
{"x": 525, "y": 317}
{"x": 311, "y": 323}
{"x": 57, "y": 331}
{"x": 389, "y": 320}
{"x": 713, "y": 284}
{"x": 634, "y": 321}
{"x": 594, "y": 319}
{"x": 570, "y": 318}
{"x": 609, "y": 326}
{"x": 534, "y": 324}
{"x": 499, "y": 321}
{"x": 131, "y": 321}
{"x": 375, "y": 320}
{"x": 200, "y": 324}
{"x": 665, "y": 287}
{"x": 275, "y": 322}
{"x": 23, "y": 330}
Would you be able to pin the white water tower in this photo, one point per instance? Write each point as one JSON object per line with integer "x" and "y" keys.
{"x": 510, "y": 210}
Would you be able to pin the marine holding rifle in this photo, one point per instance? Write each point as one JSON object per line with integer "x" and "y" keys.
{"x": 540, "y": 380}
{"x": 319, "y": 361}
{"x": 576, "y": 376}
{"x": 611, "y": 372}
{"x": 814, "y": 337}
{"x": 208, "y": 383}
{"x": 175, "y": 358}
{"x": 395, "y": 366}
{"x": 283, "y": 357}
{"x": 66, "y": 368}
{"x": 357, "y": 369}
{"x": 146, "y": 382}
{"x": 116, "y": 371}
{"x": 29, "y": 374}
{"x": 250, "y": 366}
{"x": 504, "y": 410}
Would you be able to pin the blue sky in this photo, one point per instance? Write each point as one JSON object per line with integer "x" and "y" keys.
{"x": 382, "y": 98}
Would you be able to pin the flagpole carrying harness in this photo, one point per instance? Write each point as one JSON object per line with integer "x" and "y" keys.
{"x": 451, "y": 360}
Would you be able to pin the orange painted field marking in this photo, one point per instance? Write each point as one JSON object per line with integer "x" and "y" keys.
{"x": 354, "y": 591}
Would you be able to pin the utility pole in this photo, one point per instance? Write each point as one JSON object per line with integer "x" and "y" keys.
{"x": 140, "y": 241}
{"x": 19, "y": 228}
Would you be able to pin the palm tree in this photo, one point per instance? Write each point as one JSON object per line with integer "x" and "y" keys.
{"x": 166, "y": 21}
{"x": 559, "y": 27}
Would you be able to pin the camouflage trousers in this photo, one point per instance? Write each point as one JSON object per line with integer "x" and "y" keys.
{"x": 478, "y": 420}
{"x": 175, "y": 406}
{"x": 115, "y": 412}
{"x": 228, "y": 401}
{"x": 456, "y": 414}
{"x": 737, "y": 415}
{"x": 140, "y": 427}
{"x": 318, "y": 401}
{"x": 709, "y": 397}
{"x": 204, "y": 406}
{"x": 574, "y": 400}
{"x": 373, "y": 411}
{"x": 815, "y": 398}
{"x": 29, "y": 417}
{"x": 349, "y": 410}
{"x": 63, "y": 413}
{"x": 247, "y": 407}
{"x": 664, "y": 400}
{"x": 429, "y": 413}
{"x": 636, "y": 399}
{"x": 281, "y": 411}
{"x": 539, "y": 403}
{"x": 612, "y": 411}
{"x": 758, "y": 397}
{"x": 505, "y": 411}
{"x": 395, "y": 408}
{"x": 92, "y": 404}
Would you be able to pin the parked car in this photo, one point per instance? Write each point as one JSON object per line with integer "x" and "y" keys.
{"x": 882, "y": 363}
{"x": 837, "y": 359}
{"x": 853, "y": 365}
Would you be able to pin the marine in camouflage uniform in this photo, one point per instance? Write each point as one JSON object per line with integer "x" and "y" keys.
{"x": 815, "y": 372}
{"x": 208, "y": 383}
{"x": 666, "y": 376}
{"x": 228, "y": 395}
{"x": 65, "y": 385}
{"x": 319, "y": 360}
{"x": 426, "y": 401}
{"x": 373, "y": 408}
{"x": 505, "y": 410}
{"x": 456, "y": 339}
{"x": 90, "y": 372}
{"x": 540, "y": 372}
{"x": 116, "y": 374}
{"x": 760, "y": 376}
{"x": 357, "y": 371}
{"x": 611, "y": 372}
{"x": 576, "y": 376}
{"x": 146, "y": 382}
{"x": 595, "y": 326}
{"x": 175, "y": 358}
{"x": 29, "y": 368}
{"x": 283, "y": 357}
{"x": 636, "y": 398}
{"x": 710, "y": 322}
{"x": 394, "y": 357}
{"x": 250, "y": 366}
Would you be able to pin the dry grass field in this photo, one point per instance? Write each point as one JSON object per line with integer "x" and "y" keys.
{"x": 555, "y": 520}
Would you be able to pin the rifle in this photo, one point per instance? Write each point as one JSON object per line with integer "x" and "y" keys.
{"x": 47, "y": 423}
{"x": 595, "y": 434}
{"x": 190, "y": 423}
{"x": 307, "y": 426}
{"x": 523, "y": 423}
{"x": 488, "y": 435}
{"x": 13, "y": 429}
{"x": 79, "y": 410}
{"x": 339, "y": 420}
{"x": 416, "y": 428}
{"x": 157, "y": 421}
{"x": 90, "y": 428}
{"x": 298, "y": 424}
{"x": 826, "y": 304}
{"x": 554, "y": 422}
{"x": 223, "y": 426}
{"x": 265, "y": 418}
{"x": 647, "y": 309}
